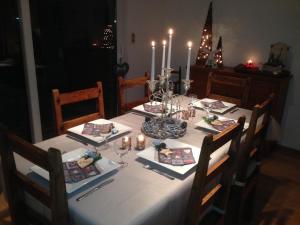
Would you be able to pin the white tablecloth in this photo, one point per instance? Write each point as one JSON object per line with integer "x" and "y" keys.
{"x": 137, "y": 196}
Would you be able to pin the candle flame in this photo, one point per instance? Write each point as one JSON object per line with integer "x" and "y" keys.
{"x": 164, "y": 42}
{"x": 153, "y": 43}
{"x": 250, "y": 61}
{"x": 171, "y": 31}
{"x": 141, "y": 137}
{"x": 189, "y": 44}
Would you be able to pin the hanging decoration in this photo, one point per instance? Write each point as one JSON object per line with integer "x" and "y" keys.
{"x": 218, "y": 54}
{"x": 206, "y": 39}
{"x": 108, "y": 38}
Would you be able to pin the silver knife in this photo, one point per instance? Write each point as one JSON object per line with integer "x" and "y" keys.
{"x": 94, "y": 189}
{"x": 164, "y": 174}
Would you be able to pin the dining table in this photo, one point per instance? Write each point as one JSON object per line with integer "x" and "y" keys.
{"x": 137, "y": 195}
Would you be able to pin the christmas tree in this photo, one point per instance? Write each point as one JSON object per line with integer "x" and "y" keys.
{"x": 206, "y": 39}
{"x": 218, "y": 54}
{"x": 108, "y": 38}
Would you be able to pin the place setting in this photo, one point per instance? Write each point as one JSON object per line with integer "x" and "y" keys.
{"x": 156, "y": 108}
{"x": 97, "y": 132}
{"x": 216, "y": 123}
{"x": 216, "y": 106}
{"x": 81, "y": 167}
{"x": 85, "y": 165}
{"x": 169, "y": 156}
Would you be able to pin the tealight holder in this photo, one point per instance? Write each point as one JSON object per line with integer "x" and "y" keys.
{"x": 126, "y": 143}
{"x": 185, "y": 114}
{"x": 192, "y": 111}
{"x": 140, "y": 142}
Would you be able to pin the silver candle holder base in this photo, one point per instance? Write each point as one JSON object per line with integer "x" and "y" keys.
{"x": 164, "y": 127}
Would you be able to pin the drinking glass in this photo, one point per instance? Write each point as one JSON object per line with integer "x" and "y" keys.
{"x": 193, "y": 99}
{"x": 120, "y": 152}
{"x": 207, "y": 108}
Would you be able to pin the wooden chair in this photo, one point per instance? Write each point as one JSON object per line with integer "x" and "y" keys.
{"x": 18, "y": 185}
{"x": 62, "y": 99}
{"x": 228, "y": 88}
{"x": 177, "y": 81}
{"x": 131, "y": 83}
{"x": 211, "y": 185}
{"x": 248, "y": 163}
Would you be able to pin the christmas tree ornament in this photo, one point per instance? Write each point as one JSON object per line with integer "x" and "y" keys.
{"x": 218, "y": 54}
{"x": 206, "y": 39}
{"x": 108, "y": 38}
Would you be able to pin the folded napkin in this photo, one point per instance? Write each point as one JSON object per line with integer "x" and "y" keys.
{"x": 176, "y": 156}
{"x": 97, "y": 129}
{"x": 82, "y": 168}
{"x": 74, "y": 173}
{"x": 221, "y": 125}
{"x": 156, "y": 108}
{"x": 214, "y": 105}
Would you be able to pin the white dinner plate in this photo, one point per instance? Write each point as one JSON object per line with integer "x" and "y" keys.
{"x": 104, "y": 165}
{"x": 140, "y": 108}
{"x": 77, "y": 132}
{"x": 228, "y": 105}
{"x": 152, "y": 155}
{"x": 207, "y": 126}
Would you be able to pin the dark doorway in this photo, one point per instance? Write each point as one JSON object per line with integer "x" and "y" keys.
{"x": 13, "y": 99}
{"x": 75, "y": 46}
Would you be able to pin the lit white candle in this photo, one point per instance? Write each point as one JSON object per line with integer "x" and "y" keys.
{"x": 189, "y": 44}
{"x": 153, "y": 60}
{"x": 126, "y": 142}
{"x": 140, "y": 142}
{"x": 164, "y": 42}
{"x": 169, "y": 49}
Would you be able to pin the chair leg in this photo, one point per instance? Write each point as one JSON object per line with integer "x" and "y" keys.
{"x": 234, "y": 208}
{"x": 250, "y": 202}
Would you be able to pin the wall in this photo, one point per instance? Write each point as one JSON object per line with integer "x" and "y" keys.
{"x": 247, "y": 27}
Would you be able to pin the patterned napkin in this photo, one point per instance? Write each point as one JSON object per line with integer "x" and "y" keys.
{"x": 176, "y": 156}
{"x": 82, "y": 168}
{"x": 74, "y": 173}
{"x": 221, "y": 125}
{"x": 214, "y": 105}
{"x": 97, "y": 129}
{"x": 156, "y": 108}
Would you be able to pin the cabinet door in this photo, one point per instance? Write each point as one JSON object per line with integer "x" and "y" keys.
{"x": 260, "y": 91}
{"x": 199, "y": 76}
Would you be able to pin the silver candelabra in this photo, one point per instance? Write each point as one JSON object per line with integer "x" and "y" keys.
{"x": 166, "y": 125}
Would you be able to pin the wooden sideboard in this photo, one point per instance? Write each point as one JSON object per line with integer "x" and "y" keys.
{"x": 261, "y": 86}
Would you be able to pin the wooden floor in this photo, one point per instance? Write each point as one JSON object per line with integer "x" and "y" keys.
{"x": 278, "y": 199}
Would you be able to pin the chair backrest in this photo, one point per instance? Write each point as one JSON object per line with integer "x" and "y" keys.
{"x": 211, "y": 185}
{"x": 17, "y": 184}
{"x": 255, "y": 137}
{"x": 228, "y": 88}
{"x": 62, "y": 99}
{"x": 177, "y": 82}
{"x": 131, "y": 83}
